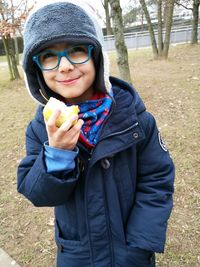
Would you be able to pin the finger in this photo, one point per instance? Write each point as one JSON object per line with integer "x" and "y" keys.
{"x": 51, "y": 122}
{"x": 74, "y": 132}
{"x": 68, "y": 123}
{"x": 68, "y": 139}
{"x": 76, "y": 127}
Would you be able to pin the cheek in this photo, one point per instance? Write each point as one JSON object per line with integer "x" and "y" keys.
{"x": 91, "y": 71}
{"x": 90, "y": 78}
{"x": 47, "y": 77}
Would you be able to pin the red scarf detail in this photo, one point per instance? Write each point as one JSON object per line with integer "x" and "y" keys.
{"x": 82, "y": 139}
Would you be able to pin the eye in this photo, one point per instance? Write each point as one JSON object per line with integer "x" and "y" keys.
{"x": 48, "y": 55}
{"x": 77, "y": 49}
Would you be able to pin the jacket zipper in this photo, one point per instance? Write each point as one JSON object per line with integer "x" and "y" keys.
{"x": 113, "y": 134}
{"x": 108, "y": 226}
{"x": 121, "y": 132}
{"x": 106, "y": 206}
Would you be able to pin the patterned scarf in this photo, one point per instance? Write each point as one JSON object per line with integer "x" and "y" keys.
{"x": 93, "y": 112}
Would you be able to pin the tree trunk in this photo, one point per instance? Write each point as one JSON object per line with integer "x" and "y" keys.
{"x": 195, "y": 19}
{"x": 8, "y": 44}
{"x": 168, "y": 25}
{"x": 6, "y": 48}
{"x": 160, "y": 30}
{"x": 122, "y": 53}
{"x": 108, "y": 23}
{"x": 13, "y": 58}
{"x": 16, "y": 50}
{"x": 142, "y": 19}
{"x": 150, "y": 28}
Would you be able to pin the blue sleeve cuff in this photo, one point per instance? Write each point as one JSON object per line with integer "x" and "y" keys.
{"x": 59, "y": 159}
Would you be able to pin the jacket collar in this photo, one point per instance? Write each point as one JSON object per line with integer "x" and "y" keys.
{"x": 127, "y": 105}
{"x": 122, "y": 124}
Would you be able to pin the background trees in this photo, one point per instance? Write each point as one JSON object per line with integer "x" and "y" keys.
{"x": 195, "y": 12}
{"x": 12, "y": 15}
{"x": 165, "y": 10}
{"x": 192, "y": 5}
{"x": 160, "y": 31}
{"x": 106, "y": 6}
{"x": 122, "y": 53}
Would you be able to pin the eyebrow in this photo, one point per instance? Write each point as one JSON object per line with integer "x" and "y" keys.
{"x": 50, "y": 48}
{"x": 57, "y": 47}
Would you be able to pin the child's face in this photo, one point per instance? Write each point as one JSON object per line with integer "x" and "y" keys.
{"x": 74, "y": 82}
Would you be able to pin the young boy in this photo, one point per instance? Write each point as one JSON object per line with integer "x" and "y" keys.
{"x": 109, "y": 176}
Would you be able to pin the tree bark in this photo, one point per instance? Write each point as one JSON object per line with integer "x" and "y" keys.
{"x": 8, "y": 44}
{"x": 16, "y": 50}
{"x": 13, "y": 58}
{"x": 122, "y": 53}
{"x": 6, "y": 48}
{"x": 150, "y": 28}
{"x": 108, "y": 23}
{"x": 168, "y": 25}
{"x": 160, "y": 28}
{"x": 195, "y": 19}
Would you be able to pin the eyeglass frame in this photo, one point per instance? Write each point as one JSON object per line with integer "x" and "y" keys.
{"x": 61, "y": 54}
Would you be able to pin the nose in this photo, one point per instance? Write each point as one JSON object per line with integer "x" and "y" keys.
{"x": 65, "y": 65}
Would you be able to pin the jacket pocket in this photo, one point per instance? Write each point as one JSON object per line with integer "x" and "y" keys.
{"x": 140, "y": 258}
{"x": 61, "y": 241}
{"x": 127, "y": 256}
{"x": 70, "y": 252}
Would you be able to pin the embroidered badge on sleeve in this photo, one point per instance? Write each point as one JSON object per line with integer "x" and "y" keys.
{"x": 162, "y": 142}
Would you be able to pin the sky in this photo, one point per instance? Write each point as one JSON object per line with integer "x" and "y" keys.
{"x": 98, "y": 6}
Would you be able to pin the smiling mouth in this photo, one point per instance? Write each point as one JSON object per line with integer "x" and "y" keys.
{"x": 69, "y": 81}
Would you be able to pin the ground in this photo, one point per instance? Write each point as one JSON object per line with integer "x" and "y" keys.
{"x": 171, "y": 91}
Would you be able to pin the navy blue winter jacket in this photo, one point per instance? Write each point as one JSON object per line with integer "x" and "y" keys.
{"x": 112, "y": 208}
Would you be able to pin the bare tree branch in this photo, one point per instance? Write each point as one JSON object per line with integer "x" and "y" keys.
{"x": 180, "y": 4}
{"x": 102, "y": 2}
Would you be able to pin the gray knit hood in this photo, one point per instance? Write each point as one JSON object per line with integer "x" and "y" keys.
{"x": 57, "y": 21}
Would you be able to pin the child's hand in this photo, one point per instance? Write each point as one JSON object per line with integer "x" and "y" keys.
{"x": 66, "y": 136}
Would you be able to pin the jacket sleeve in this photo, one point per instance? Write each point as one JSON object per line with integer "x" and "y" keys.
{"x": 35, "y": 183}
{"x": 147, "y": 224}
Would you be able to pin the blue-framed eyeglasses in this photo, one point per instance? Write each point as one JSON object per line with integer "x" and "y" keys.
{"x": 50, "y": 59}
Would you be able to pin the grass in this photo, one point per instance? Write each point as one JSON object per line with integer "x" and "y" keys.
{"x": 2, "y": 58}
{"x": 4, "y": 76}
{"x": 171, "y": 91}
